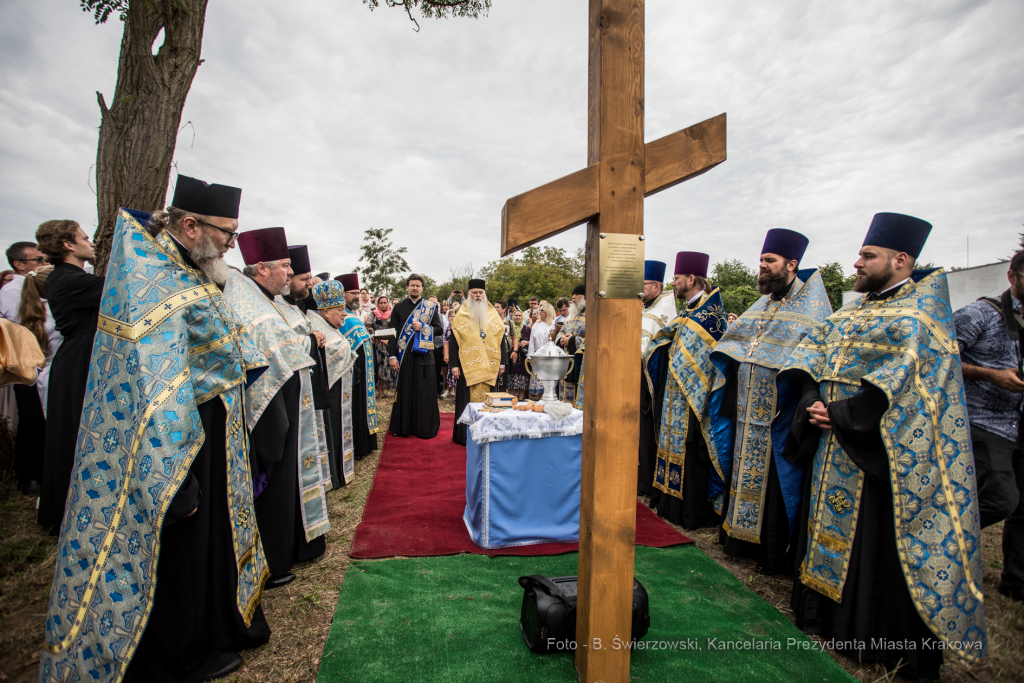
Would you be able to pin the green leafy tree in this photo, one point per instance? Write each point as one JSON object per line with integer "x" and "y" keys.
{"x": 737, "y": 285}
{"x": 458, "y": 278}
{"x": 544, "y": 272}
{"x": 836, "y": 282}
{"x": 139, "y": 129}
{"x": 382, "y": 264}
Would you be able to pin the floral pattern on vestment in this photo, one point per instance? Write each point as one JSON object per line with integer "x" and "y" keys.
{"x": 689, "y": 338}
{"x": 750, "y": 353}
{"x": 906, "y": 347}
{"x": 165, "y": 343}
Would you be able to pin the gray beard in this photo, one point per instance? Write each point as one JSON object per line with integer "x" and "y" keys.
{"x": 206, "y": 255}
{"x": 353, "y": 307}
{"x": 477, "y": 311}
{"x": 577, "y": 307}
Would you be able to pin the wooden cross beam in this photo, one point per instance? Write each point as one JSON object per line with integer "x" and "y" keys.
{"x": 609, "y": 194}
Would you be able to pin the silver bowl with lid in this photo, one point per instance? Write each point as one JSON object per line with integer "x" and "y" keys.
{"x": 549, "y": 364}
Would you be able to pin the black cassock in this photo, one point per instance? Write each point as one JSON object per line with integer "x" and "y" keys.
{"x": 876, "y": 601}
{"x": 363, "y": 442}
{"x": 195, "y": 617}
{"x": 650, "y": 421}
{"x": 274, "y": 446}
{"x": 415, "y": 409}
{"x": 74, "y": 297}
{"x": 462, "y": 389}
{"x": 694, "y": 510}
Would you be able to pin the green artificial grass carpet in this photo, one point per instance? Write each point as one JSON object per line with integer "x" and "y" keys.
{"x": 455, "y": 619}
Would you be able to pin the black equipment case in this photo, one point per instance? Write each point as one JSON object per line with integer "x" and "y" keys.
{"x": 548, "y": 618}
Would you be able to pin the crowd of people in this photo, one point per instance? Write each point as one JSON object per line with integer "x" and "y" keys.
{"x": 199, "y": 414}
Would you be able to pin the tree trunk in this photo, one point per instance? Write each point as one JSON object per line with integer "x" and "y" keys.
{"x": 139, "y": 130}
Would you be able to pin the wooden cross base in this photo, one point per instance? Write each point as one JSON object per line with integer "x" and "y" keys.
{"x": 609, "y": 195}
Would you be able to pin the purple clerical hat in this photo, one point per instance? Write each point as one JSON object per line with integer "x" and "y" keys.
{"x": 263, "y": 245}
{"x": 350, "y": 281}
{"x": 300, "y": 259}
{"x": 692, "y": 263}
{"x": 788, "y": 244}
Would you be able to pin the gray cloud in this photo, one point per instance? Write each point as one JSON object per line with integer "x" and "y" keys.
{"x": 334, "y": 119}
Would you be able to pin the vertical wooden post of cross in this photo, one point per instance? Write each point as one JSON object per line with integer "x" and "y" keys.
{"x": 609, "y": 194}
{"x": 611, "y": 401}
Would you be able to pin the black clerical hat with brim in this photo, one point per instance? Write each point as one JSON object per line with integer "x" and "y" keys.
{"x": 898, "y": 232}
{"x": 477, "y": 284}
{"x": 198, "y": 196}
{"x": 299, "y": 255}
{"x": 263, "y": 245}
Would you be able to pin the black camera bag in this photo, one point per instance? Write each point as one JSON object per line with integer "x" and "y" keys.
{"x": 548, "y": 617}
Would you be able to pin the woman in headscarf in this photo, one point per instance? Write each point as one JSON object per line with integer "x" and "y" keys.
{"x": 380, "y": 319}
{"x": 519, "y": 378}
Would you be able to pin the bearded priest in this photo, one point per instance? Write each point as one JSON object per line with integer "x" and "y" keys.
{"x": 411, "y": 357}
{"x": 159, "y": 564}
{"x": 659, "y": 310}
{"x": 300, "y": 284}
{"x": 363, "y": 400}
{"x": 889, "y": 545}
{"x": 757, "y": 485}
{"x": 288, "y": 444}
{"x": 678, "y": 366}
{"x": 476, "y": 355}
{"x": 572, "y": 336}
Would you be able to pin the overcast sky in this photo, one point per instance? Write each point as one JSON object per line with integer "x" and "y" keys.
{"x": 334, "y": 119}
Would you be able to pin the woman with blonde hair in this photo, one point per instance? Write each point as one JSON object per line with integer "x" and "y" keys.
{"x": 34, "y": 314}
{"x": 544, "y": 318}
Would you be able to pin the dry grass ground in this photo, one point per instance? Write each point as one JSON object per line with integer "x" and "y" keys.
{"x": 1005, "y": 618}
{"x": 300, "y": 614}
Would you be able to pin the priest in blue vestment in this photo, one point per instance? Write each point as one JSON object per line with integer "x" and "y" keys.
{"x": 572, "y": 336}
{"x": 659, "y": 310}
{"x": 363, "y": 402}
{"x": 159, "y": 564}
{"x": 678, "y": 367}
{"x": 889, "y": 545}
{"x": 340, "y": 360}
{"x": 300, "y": 284}
{"x": 758, "y": 490}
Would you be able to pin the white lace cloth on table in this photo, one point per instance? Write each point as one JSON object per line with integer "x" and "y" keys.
{"x": 517, "y": 424}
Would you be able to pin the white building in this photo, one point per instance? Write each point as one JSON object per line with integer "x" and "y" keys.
{"x": 967, "y": 285}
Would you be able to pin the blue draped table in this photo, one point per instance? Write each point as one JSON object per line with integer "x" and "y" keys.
{"x": 522, "y": 477}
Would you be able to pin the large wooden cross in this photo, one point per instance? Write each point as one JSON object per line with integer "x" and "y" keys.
{"x": 609, "y": 194}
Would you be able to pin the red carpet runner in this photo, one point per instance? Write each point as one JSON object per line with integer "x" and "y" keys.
{"x": 419, "y": 494}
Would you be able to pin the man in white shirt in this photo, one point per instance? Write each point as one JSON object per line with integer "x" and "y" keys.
{"x": 24, "y": 258}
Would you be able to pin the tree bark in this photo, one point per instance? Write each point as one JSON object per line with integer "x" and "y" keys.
{"x": 139, "y": 130}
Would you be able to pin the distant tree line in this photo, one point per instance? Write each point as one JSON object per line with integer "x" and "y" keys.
{"x": 548, "y": 273}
